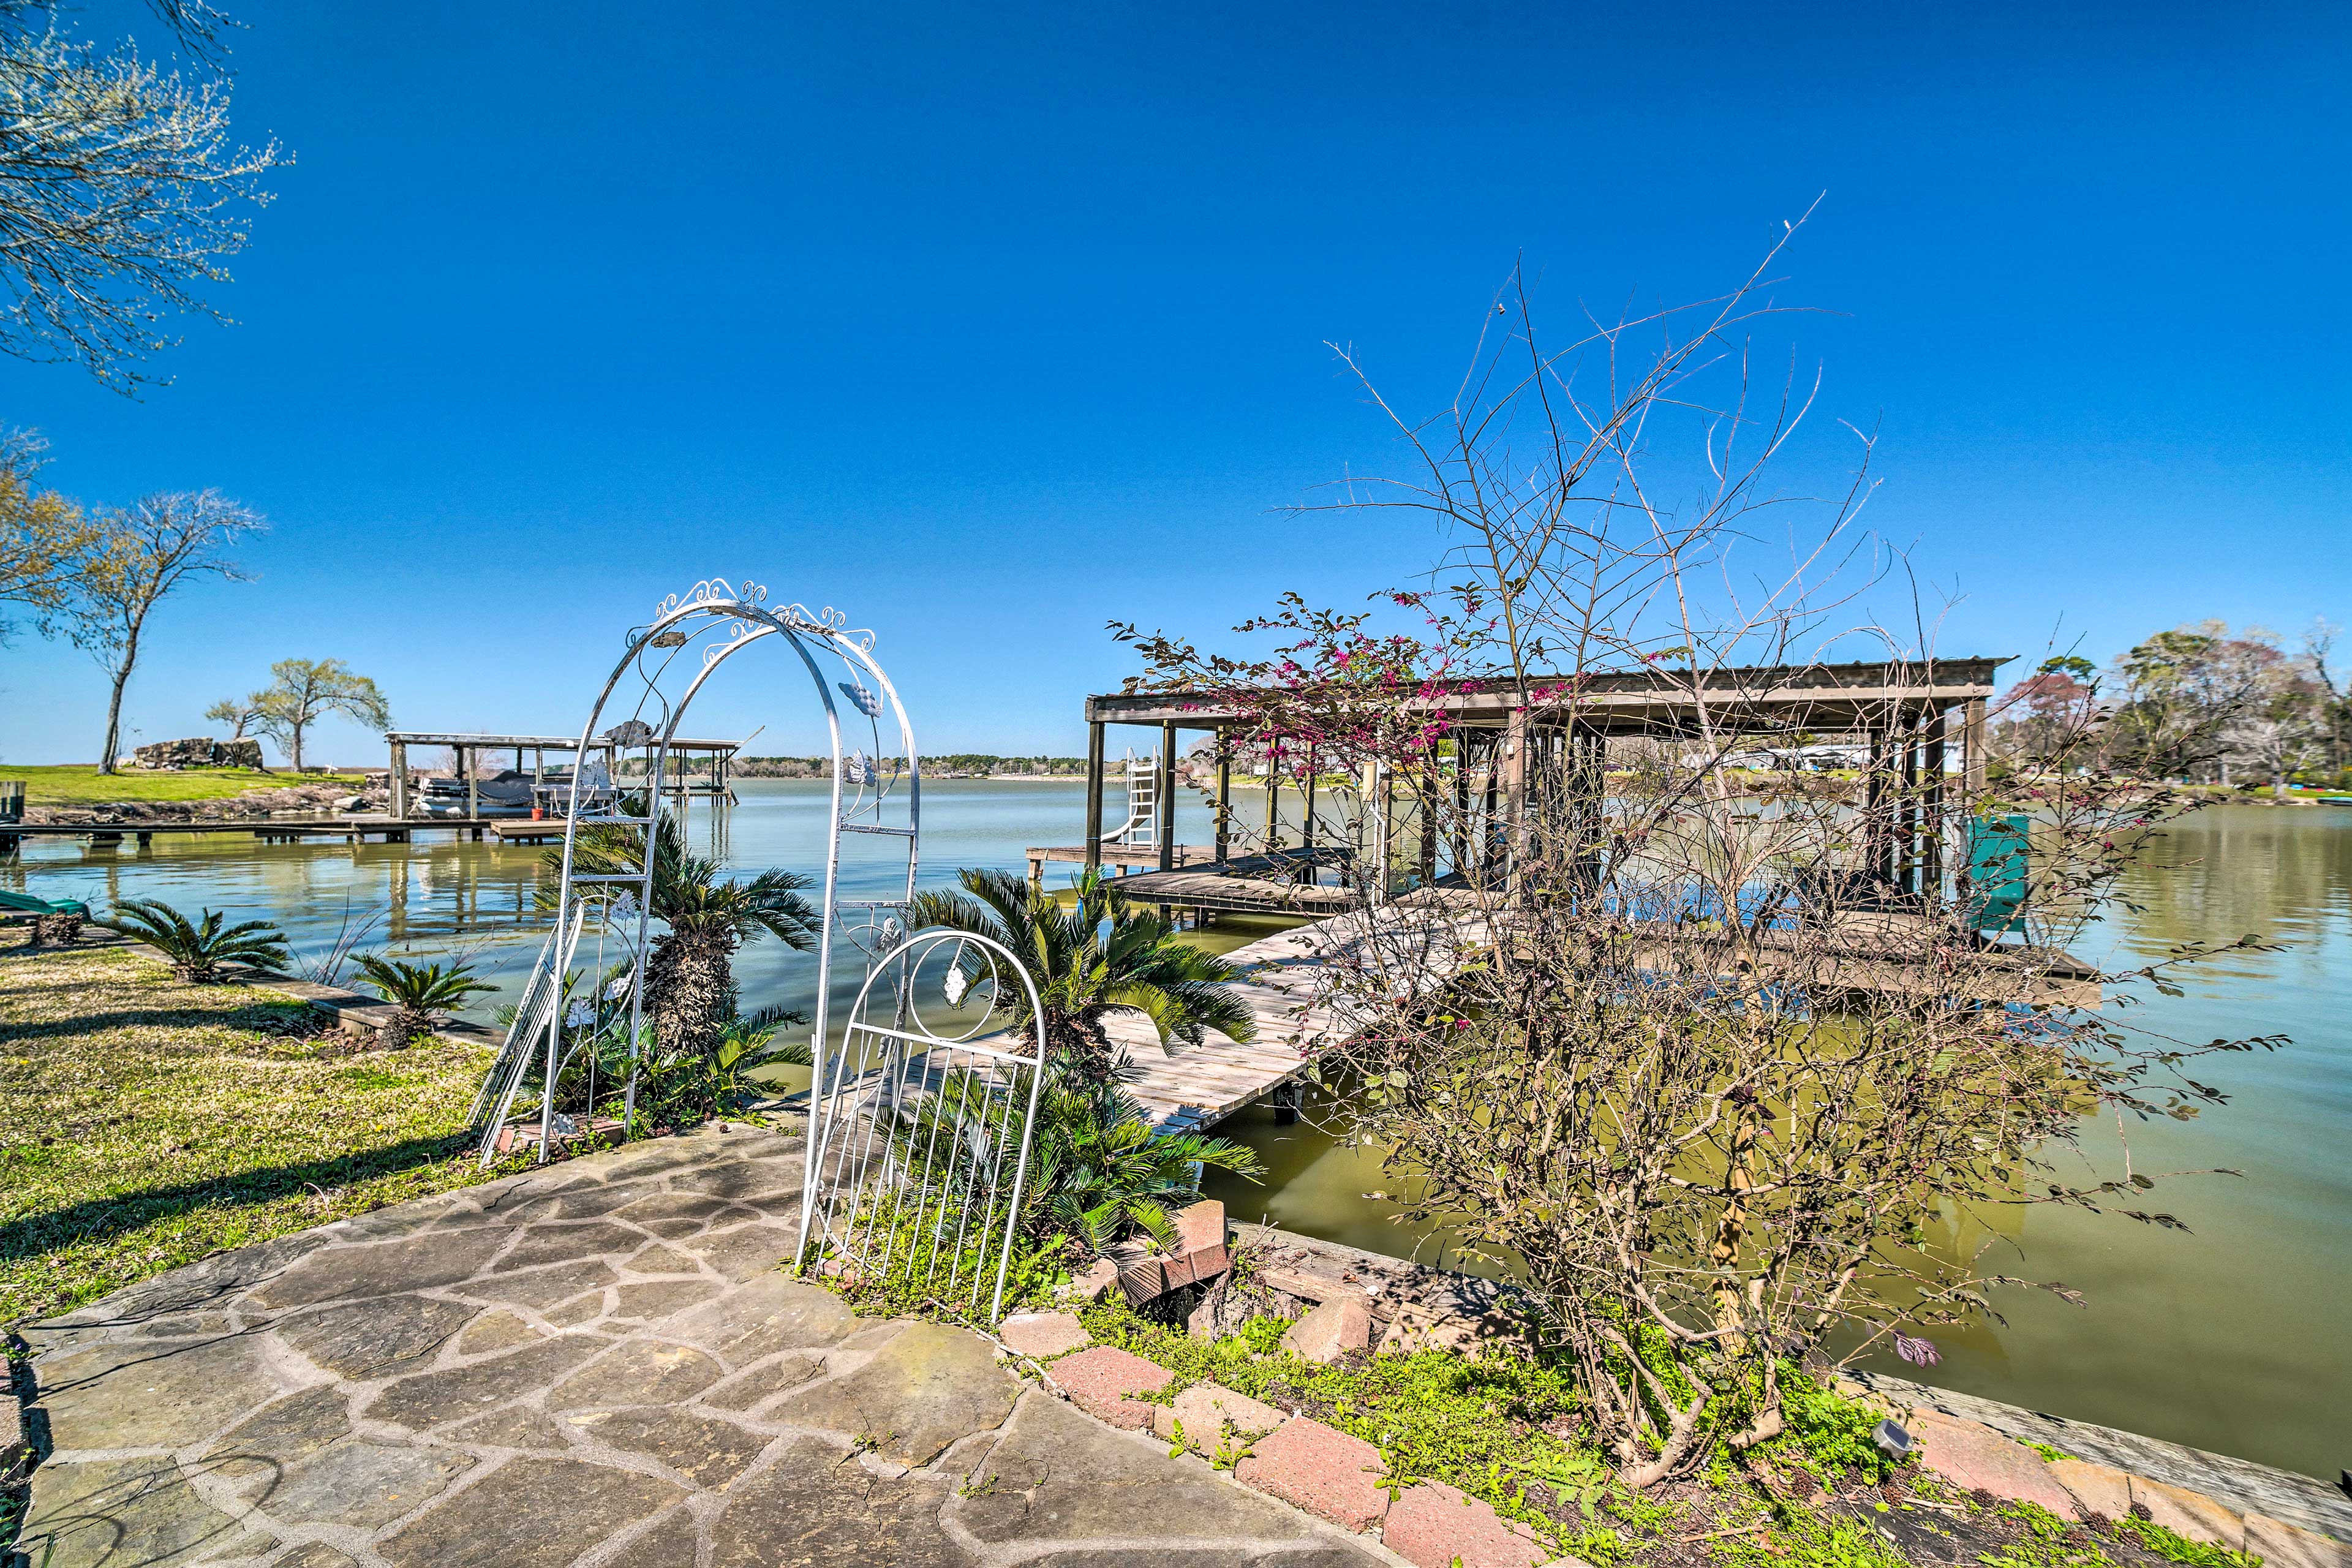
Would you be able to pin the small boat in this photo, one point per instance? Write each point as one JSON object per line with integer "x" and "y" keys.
{"x": 507, "y": 793}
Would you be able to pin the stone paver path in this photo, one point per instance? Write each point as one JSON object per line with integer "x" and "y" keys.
{"x": 597, "y": 1364}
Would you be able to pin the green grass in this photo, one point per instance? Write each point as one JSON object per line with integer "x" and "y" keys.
{"x": 85, "y": 785}
{"x": 145, "y": 1123}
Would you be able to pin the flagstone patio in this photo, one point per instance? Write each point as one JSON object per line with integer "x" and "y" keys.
{"x": 595, "y": 1364}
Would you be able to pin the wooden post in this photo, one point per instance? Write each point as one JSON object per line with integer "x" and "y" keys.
{"x": 1462, "y": 802}
{"x": 1427, "y": 796}
{"x": 1376, "y": 794}
{"x": 399, "y": 781}
{"x": 1877, "y": 835}
{"x": 1168, "y": 797}
{"x": 470, "y": 765}
{"x": 1094, "y": 794}
{"x": 1490, "y": 851}
{"x": 1932, "y": 864}
{"x": 1307, "y": 817}
{"x": 1272, "y": 803}
{"x": 1224, "y": 791}
{"x": 1973, "y": 750}
{"x": 1908, "y": 874}
{"x": 1514, "y": 789}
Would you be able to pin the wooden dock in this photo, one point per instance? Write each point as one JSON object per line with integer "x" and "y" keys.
{"x": 1281, "y": 882}
{"x": 1298, "y": 1024}
{"x": 1117, "y": 856}
{"x": 269, "y": 830}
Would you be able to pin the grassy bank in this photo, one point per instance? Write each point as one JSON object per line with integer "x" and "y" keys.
{"x": 85, "y": 785}
{"x": 145, "y": 1123}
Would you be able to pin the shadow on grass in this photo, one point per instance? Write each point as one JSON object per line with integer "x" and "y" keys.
{"x": 250, "y": 1019}
{"x": 103, "y": 1219}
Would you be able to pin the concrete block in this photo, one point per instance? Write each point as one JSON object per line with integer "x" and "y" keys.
{"x": 2283, "y": 1545}
{"x": 1973, "y": 1456}
{"x": 2096, "y": 1489}
{"x": 1321, "y": 1470}
{"x": 1341, "y": 1324}
{"x": 1043, "y": 1334}
{"x": 1210, "y": 1412}
{"x": 1103, "y": 1380}
{"x": 1431, "y": 1525}
{"x": 2192, "y": 1514}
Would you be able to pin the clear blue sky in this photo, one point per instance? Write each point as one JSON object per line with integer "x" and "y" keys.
{"x": 989, "y": 323}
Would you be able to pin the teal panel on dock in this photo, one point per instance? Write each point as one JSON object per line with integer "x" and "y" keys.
{"x": 1996, "y": 868}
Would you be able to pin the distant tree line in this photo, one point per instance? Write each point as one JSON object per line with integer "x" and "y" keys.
{"x": 945, "y": 763}
{"x": 2197, "y": 703}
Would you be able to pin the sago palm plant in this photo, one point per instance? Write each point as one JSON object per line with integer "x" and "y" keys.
{"x": 198, "y": 952}
{"x": 416, "y": 991}
{"x": 1100, "y": 1172}
{"x": 1101, "y": 955}
{"x": 689, "y": 974}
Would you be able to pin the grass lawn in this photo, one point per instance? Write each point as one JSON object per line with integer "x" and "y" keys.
{"x": 85, "y": 785}
{"x": 145, "y": 1123}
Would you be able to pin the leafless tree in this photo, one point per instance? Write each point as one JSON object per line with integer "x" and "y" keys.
{"x": 1701, "y": 1056}
{"x": 122, "y": 192}
{"x": 143, "y": 553}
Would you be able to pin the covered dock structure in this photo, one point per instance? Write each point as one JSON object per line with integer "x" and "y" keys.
{"x": 1917, "y": 722}
{"x": 469, "y": 749}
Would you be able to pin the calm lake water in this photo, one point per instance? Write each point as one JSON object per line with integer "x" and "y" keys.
{"x": 2230, "y": 1337}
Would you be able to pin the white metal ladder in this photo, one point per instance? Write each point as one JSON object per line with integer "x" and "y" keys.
{"x": 1142, "y": 825}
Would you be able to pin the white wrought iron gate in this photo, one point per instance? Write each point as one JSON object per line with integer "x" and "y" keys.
{"x": 919, "y": 1119}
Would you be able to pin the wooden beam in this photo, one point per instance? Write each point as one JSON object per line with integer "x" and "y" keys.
{"x": 1168, "y": 797}
{"x": 1094, "y": 796}
{"x": 1307, "y": 812}
{"x": 399, "y": 780}
{"x": 1224, "y": 795}
{"x": 469, "y": 763}
{"x": 1972, "y": 748}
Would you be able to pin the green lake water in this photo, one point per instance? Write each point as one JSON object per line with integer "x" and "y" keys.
{"x": 2230, "y": 1337}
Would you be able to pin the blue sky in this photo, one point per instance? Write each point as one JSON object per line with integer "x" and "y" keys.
{"x": 989, "y": 324}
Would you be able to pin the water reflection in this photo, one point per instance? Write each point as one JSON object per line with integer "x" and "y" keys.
{"x": 2227, "y": 1338}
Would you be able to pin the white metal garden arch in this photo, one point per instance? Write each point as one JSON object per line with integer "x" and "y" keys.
{"x": 628, "y": 734}
{"x": 909, "y": 1123}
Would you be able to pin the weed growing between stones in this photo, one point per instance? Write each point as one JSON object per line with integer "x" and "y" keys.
{"x": 1516, "y": 1432}
{"x": 931, "y": 1255}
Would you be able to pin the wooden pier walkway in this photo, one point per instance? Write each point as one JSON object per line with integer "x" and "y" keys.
{"x": 1116, "y": 856}
{"x": 353, "y": 829}
{"x": 1298, "y": 1024}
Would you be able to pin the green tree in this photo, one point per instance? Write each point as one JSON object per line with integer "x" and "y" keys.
{"x": 690, "y": 991}
{"x": 45, "y": 540}
{"x": 1099, "y": 1170}
{"x": 239, "y": 715}
{"x": 1099, "y": 956}
{"x": 301, "y": 693}
{"x": 138, "y": 557}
